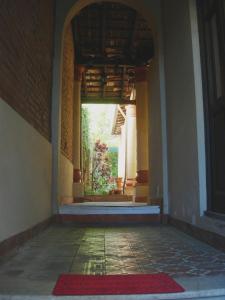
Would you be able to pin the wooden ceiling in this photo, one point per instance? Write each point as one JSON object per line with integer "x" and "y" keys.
{"x": 107, "y": 84}
{"x": 110, "y": 40}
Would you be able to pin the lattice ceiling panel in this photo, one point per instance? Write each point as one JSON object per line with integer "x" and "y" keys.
{"x": 108, "y": 83}
{"x": 110, "y": 39}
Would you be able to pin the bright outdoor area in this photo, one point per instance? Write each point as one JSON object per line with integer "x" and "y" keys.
{"x": 99, "y": 149}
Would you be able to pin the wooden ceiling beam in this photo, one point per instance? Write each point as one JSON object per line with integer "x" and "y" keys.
{"x": 85, "y": 84}
{"x": 104, "y": 81}
{"x": 133, "y": 33}
{"x": 109, "y": 61}
{"x": 110, "y": 80}
{"x": 111, "y": 67}
{"x": 122, "y": 81}
{"x": 103, "y": 29}
{"x": 105, "y": 100}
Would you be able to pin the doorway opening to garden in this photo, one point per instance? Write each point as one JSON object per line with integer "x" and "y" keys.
{"x": 109, "y": 151}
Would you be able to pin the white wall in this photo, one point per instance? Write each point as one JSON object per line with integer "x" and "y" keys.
{"x": 25, "y": 174}
{"x": 181, "y": 112}
{"x": 66, "y": 177}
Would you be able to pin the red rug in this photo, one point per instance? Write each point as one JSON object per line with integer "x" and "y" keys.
{"x": 71, "y": 284}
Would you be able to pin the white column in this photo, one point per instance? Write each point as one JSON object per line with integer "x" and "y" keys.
{"x": 78, "y": 190}
{"x": 121, "y": 154}
{"x": 131, "y": 148}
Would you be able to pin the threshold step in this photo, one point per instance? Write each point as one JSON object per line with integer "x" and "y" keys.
{"x": 109, "y": 208}
{"x": 115, "y": 213}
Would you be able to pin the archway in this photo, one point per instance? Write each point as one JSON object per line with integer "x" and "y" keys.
{"x": 151, "y": 12}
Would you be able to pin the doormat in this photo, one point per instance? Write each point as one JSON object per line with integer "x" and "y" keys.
{"x": 73, "y": 284}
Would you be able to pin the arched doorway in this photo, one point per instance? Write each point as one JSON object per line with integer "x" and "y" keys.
{"x": 157, "y": 94}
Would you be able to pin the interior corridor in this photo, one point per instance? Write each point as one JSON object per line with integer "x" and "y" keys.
{"x": 34, "y": 268}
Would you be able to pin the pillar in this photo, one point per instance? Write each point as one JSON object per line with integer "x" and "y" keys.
{"x": 142, "y": 186}
{"x": 121, "y": 153}
{"x": 131, "y": 149}
{"x": 78, "y": 189}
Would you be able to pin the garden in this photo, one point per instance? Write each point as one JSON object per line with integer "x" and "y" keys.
{"x": 99, "y": 149}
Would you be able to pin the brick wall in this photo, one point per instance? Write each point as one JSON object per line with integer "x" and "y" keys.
{"x": 67, "y": 95}
{"x": 26, "y": 46}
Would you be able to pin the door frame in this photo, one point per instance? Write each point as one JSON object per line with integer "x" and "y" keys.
{"x": 206, "y": 98}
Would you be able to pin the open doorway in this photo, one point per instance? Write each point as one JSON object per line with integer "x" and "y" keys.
{"x": 99, "y": 149}
{"x": 109, "y": 150}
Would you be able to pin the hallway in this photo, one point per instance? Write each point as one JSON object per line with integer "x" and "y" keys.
{"x": 162, "y": 63}
{"x": 35, "y": 267}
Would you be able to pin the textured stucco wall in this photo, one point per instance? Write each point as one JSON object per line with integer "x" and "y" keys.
{"x": 25, "y": 174}
{"x": 67, "y": 94}
{"x": 26, "y": 43}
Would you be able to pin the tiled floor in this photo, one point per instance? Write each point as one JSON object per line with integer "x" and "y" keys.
{"x": 35, "y": 267}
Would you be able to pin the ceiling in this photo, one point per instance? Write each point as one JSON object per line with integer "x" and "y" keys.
{"x": 110, "y": 40}
{"x": 104, "y": 84}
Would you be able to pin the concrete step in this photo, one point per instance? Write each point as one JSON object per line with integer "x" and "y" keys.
{"x": 109, "y": 208}
{"x": 115, "y": 213}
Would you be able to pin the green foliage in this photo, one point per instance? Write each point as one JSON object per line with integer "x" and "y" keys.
{"x": 96, "y": 124}
{"x": 101, "y": 120}
{"x": 86, "y": 152}
{"x": 113, "y": 160}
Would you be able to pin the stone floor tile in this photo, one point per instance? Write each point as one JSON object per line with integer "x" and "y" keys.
{"x": 109, "y": 250}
